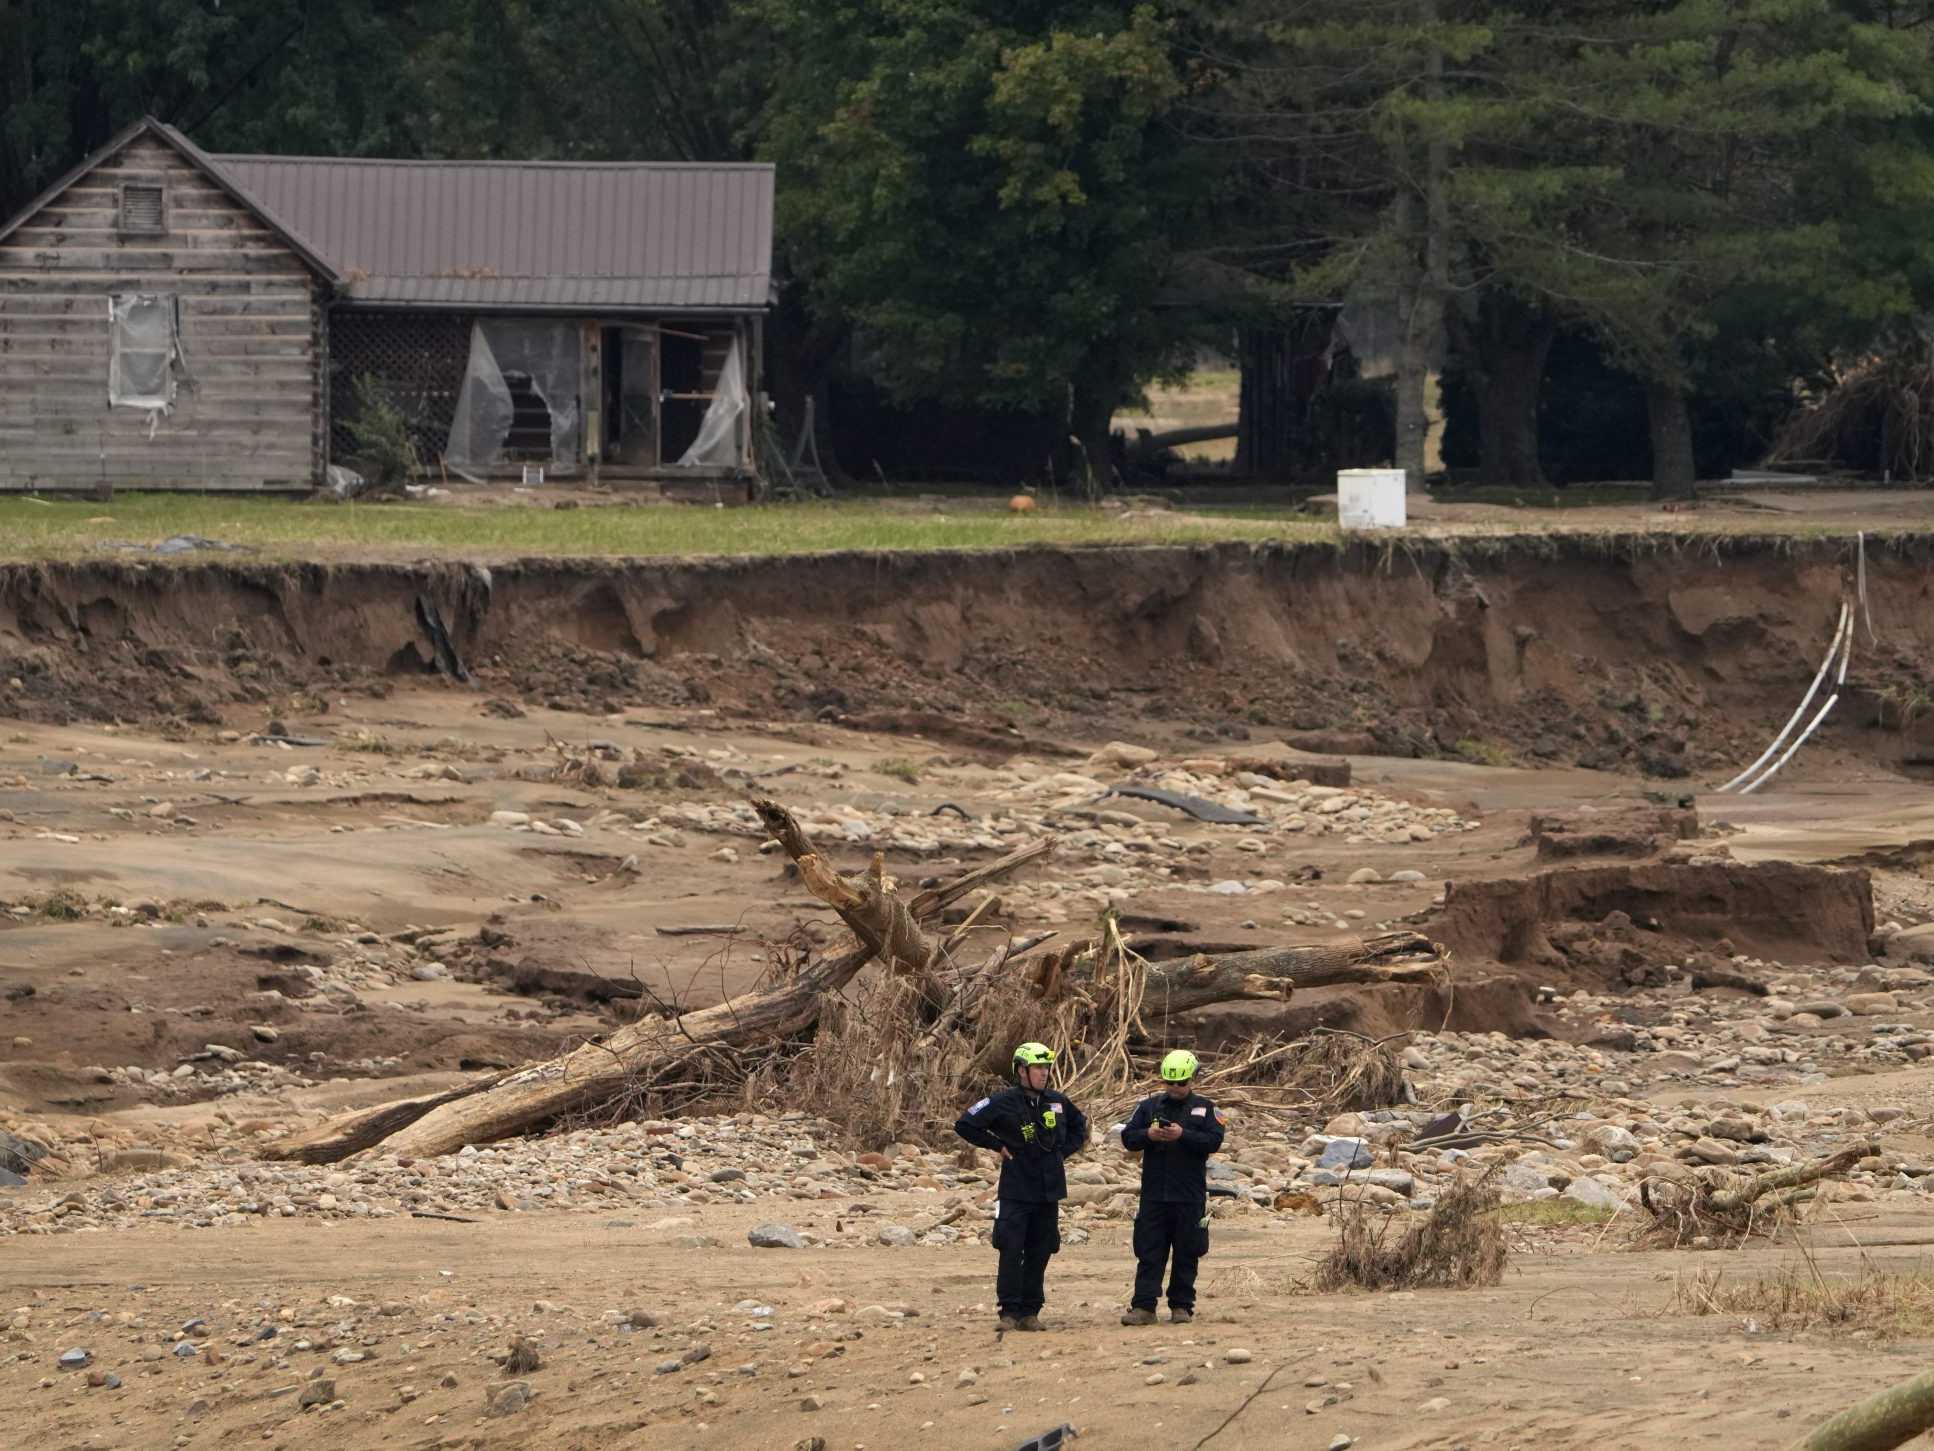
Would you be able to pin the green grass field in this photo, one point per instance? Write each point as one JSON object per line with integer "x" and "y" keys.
{"x": 497, "y": 526}
{"x": 288, "y": 529}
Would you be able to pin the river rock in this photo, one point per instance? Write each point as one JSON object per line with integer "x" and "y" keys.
{"x": 1589, "y": 1192}
{"x": 1345, "y": 1154}
{"x": 507, "y": 1399}
{"x": 1711, "y": 1151}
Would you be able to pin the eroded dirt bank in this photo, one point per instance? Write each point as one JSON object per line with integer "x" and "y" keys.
{"x": 1639, "y": 653}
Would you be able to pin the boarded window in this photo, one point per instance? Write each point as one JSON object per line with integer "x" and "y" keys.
{"x": 145, "y": 334}
{"x": 142, "y": 209}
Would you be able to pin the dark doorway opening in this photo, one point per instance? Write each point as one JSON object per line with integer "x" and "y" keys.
{"x": 611, "y": 404}
{"x": 682, "y": 365}
{"x": 529, "y": 439}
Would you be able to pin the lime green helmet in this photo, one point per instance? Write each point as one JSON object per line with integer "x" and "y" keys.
{"x": 1179, "y": 1066}
{"x": 1030, "y": 1054}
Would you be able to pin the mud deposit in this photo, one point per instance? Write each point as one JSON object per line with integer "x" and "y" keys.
{"x": 261, "y": 864}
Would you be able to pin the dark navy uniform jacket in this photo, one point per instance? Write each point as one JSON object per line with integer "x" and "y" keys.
{"x": 1038, "y": 1130}
{"x": 1178, "y": 1172}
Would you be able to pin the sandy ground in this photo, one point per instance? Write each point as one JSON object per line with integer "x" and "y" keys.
{"x": 1582, "y": 1346}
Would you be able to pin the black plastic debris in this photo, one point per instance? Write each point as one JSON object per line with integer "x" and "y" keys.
{"x": 1049, "y": 1440}
{"x": 1189, "y": 805}
{"x": 443, "y": 649}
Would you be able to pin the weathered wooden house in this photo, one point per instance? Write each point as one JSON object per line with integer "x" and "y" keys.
{"x": 175, "y": 319}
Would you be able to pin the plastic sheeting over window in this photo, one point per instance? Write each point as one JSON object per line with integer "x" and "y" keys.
{"x": 144, "y": 330}
{"x": 520, "y": 392}
{"x": 718, "y": 432}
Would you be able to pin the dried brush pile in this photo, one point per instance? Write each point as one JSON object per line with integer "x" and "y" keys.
{"x": 1712, "y": 1208}
{"x": 1329, "y": 1071}
{"x": 1878, "y": 416}
{"x": 885, "y": 1067}
{"x": 1885, "y": 1304}
{"x": 1458, "y": 1246}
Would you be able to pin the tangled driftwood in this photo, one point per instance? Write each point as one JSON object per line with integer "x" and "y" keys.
{"x": 950, "y": 1018}
{"x": 1727, "y": 1208}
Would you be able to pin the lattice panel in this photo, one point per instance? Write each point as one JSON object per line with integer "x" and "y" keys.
{"x": 420, "y": 357}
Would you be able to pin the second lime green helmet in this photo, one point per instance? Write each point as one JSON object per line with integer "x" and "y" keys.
{"x": 1029, "y": 1054}
{"x": 1179, "y": 1066}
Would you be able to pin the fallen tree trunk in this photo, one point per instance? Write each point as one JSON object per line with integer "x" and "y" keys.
{"x": 870, "y": 907}
{"x": 1731, "y": 1209}
{"x": 640, "y": 1056}
{"x": 1200, "y": 433}
{"x": 1275, "y": 972}
{"x": 688, "y": 1052}
{"x": 1882, "y": 1421}
{"x": 1793, "y": 1177}
{"x": 878, "y": 918}
{"x": 663, "y": 1052}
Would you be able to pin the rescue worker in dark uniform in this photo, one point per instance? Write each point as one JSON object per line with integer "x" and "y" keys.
{"x": 1034, "y": 1129}
{"x": 1175, "y": 1131}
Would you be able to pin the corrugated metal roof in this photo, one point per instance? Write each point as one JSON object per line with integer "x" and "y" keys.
{"x": 553, "y": 235}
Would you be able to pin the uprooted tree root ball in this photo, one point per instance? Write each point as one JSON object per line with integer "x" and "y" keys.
{"x": 1458, "y": 1246}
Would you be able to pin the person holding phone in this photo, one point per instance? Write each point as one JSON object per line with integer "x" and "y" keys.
{"x": 1174, "y": 1131}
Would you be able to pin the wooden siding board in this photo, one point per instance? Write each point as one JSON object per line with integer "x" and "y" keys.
{"x": 248, "y": 414}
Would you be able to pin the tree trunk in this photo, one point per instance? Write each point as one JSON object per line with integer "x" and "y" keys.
{"x": 1794, "y": 1176}
{"x": 1673, "y": 473}
{"x": 504, "y": 1104}
{"x": 1264, "y": 406}
{"x": 1512, "y": 344}
{"x": 1091, "y": 424}
{"x": 1415, "y": 354}
{"x": 1887, "y": 1419}
{"x": 1281, "y": 369}
{"x": 1274, "y": 972}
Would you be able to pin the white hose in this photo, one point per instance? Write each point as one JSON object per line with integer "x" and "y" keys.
{"x": 1832, "y": 700}
{"x": 1833, "y": 649}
